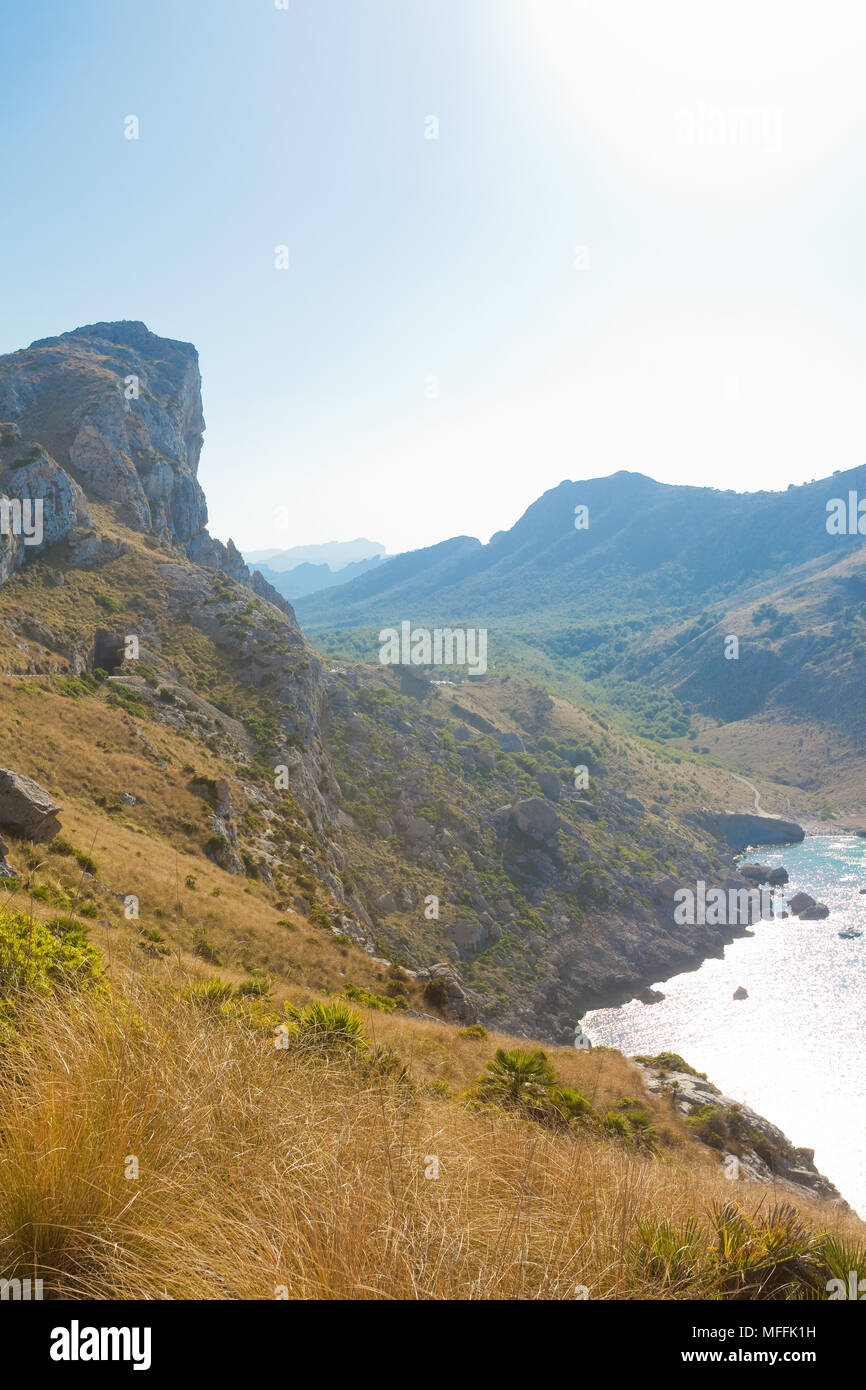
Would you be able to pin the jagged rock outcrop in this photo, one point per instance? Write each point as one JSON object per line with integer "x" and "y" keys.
{"x": 117, "y": 414}
{"x": 29, "y": 476}
{"x": 120, "y": 410}
{"x": 26, "y": 809}
{"x": 761, "y": 1152}
{"x": 460, "y": 1003}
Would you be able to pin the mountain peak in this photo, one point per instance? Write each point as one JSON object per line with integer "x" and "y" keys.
{"x": 131, "y": 333}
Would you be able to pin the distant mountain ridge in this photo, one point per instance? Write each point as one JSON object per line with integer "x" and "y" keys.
{"x": 311, "y": 579}
{"x": 647, "y": 544}
{"x": 637, "y": 611}
{"x": 335, "y": 554}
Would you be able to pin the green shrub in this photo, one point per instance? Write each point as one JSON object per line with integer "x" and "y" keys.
{"x": 617, "y": 1125}
{"x": 518, "y": 1079}
{"x": 255, "y": 988}
{"x": 673, "y": 1258}
{"x": 571, "y": 1104}
{"x": 475, "y": 1030}
{"x": 436, "y": 993}
{"x": 210, "y": 994}
{"x": 382, "y": 1002}
{"x": 670, "y": 1061}
{"x": 382, "y": 1063}
{"x": 327, "y": 1027}
{"x": 206, "y": 950}
{"x": 320, "y": 916}
{"x": 124, "y": 699}
{"x": 772, "y": 1257}
{"x": 36, "y": 955}
{"x": 84, "y": 861}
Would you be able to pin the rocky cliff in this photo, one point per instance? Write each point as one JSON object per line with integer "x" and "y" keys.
{"x": 120, "y": 410}
{"x": 103, "y": 427}
{"x": 111, "y": 412}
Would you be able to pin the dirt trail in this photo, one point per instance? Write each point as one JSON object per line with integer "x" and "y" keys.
{"x": 753, "y": 789}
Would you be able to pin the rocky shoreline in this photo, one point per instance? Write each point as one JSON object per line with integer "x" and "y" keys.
{"x": 750, "y": 1147}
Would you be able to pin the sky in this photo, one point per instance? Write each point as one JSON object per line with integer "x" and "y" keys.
{"x": 528, "y": 240}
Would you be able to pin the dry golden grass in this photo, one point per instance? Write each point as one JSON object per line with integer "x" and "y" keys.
{"x": 262, "y": 1168}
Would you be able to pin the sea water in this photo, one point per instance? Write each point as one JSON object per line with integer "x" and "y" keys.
{"x": 795, "y": 1049}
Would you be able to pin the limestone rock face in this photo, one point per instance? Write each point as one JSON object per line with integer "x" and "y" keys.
{"x": 739, "y": 830}
{"x": 28, "y": 474}
{"x": 462, "y": 1003}
{"x": 26, "y": 808}
{"x": 117, "y": 414}
{"x": 120, "y": 410}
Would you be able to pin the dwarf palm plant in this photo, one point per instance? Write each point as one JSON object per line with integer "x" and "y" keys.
{"x": 518, "y": 1080}
{"x": 327, "y": 1027}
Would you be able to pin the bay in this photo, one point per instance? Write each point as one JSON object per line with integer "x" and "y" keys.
{"x": 795, "y": 1049}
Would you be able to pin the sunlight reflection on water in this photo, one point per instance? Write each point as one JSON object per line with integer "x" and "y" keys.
{"x": 794, "y": 1050}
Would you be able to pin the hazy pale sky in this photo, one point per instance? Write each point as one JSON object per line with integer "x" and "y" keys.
{"x": 637, "y": 242}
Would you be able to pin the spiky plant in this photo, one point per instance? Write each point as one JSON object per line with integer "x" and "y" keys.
{"x": 673, "y": 1258}
{"x": 774, "y": 1257}
{"x": 327, "y": 1027}
{"x": 210, "y": 994}
{"x": 518, "y": 1080}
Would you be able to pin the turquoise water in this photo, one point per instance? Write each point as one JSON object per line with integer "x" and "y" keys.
{"x": 795, "y": 1050}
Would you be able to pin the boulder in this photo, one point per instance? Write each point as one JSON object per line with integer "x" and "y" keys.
{"x": 26, "y": 808}
{"x": 419, "y": 831}
{"x": 471, "y": 938}
{"x": 510, "y": 743}
{"x": 758, "y": 873}
{"x": 763, "y": 873}
{"x": 220, "y": 850}
{"x": 461, "y": 1004}
{"x": 741, "y": 993}
{"x": 804, "y": 906}
{"x": 535, "y": 817}
{"x": 550, "y": 785}
{"x": 800, "y": 902}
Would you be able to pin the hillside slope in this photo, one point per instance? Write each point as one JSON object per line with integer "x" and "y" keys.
{"x": 635, "y": 614}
